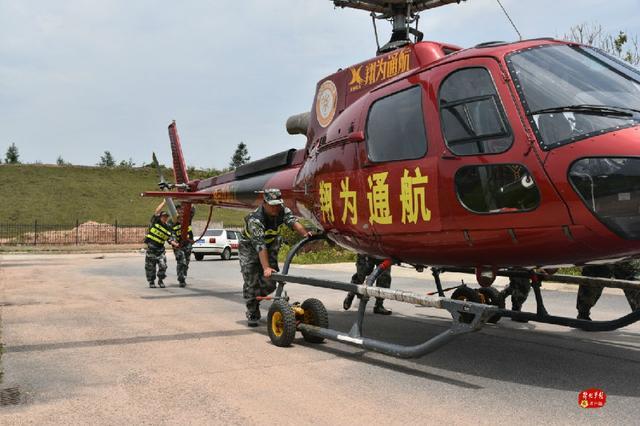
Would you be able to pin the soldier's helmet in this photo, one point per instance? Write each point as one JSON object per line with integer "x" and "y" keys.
{"x": 273, "y": 197}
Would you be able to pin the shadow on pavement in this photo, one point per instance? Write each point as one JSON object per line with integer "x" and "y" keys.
{"x": 542, "y": 359}
{"x": 124, "y": 341}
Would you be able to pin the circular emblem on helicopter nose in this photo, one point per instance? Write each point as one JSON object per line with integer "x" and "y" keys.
{"x": 326, "y": 103}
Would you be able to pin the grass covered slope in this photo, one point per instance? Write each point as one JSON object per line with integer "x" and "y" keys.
{"x": 61, "y": 195}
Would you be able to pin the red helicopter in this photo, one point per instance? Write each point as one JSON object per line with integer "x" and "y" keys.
{"x": 504, "y": 157}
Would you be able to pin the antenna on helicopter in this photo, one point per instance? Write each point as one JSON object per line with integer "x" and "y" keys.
{"x": 401, "y": 13}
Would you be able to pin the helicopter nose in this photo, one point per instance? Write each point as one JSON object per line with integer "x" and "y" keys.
{"x": 610, "y": 188}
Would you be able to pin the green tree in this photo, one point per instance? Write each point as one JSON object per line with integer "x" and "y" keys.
{"x": 240, "y": 157}
{"x": 60, "y": 161}
{"x": 12, "y": 156}
{"x": 620, "y": 45}
{"x": 127, "y": 164}
{"x": 107, "y": 160}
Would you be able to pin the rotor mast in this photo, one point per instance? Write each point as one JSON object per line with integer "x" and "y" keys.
{"x": 401, "y": 14}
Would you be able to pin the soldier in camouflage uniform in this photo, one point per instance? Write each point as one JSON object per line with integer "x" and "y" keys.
{"x": 259, "y": 245}
{"x": 183, "y": 251}
{"x": 623, "y": 270}
{"x": 158, "y": 234}
{"x": 518, "y": 289}
{"x": 364, "y": 267}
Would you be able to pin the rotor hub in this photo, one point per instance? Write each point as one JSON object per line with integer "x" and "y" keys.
{"x": 401, "y": 13}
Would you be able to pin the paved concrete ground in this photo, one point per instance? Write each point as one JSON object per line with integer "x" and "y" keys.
{"x": 85, "y": 341}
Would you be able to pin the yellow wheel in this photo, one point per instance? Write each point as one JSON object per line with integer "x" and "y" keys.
{"x": 314, "y": 314}
{"x": 276, "y": 324}
{"x": 492, "y": 297}
{"x": 282, "y": 323}
{"x": 467, "y": 294}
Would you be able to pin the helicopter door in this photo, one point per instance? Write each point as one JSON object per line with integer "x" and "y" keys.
{"x": 490, "y": 176}
{"x": 398, "y": 174}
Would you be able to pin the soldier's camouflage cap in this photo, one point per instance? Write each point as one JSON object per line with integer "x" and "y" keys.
{"x": 273, "y": 197}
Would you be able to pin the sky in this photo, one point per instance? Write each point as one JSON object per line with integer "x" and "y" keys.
{"x": 78, "y": 77}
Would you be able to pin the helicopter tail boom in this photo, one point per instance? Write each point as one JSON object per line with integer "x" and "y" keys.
{"x": 238, "y": 188}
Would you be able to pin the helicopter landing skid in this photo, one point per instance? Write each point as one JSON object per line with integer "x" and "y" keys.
{"x": 466, "y": 316}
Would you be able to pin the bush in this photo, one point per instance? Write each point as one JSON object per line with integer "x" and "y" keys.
{"x": 574, "y": 270}
{"x": 315, "y": 252}
{"x": 321, "y": 252}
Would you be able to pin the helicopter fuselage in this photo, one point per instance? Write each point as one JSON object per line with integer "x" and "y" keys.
{"x": 434, "y": 155}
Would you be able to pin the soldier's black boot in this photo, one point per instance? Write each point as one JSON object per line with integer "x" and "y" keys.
{"x": 152, "y": 284}
{"x": 183, "y": 283}
{"x": 160, "y": 283}
{"x": 380, "y": 309}
{"x": 253, "y": 318}
{"x": 517, "y": 307}
{"x": 584, "y": 315}
{"x": 346, "y": 304}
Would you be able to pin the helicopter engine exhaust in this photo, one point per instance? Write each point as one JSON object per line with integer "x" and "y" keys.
{"x": 298, "y": 124}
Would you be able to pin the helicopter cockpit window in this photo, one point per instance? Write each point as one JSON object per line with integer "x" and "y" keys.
{"x": 500, "y": 188}
{"x": 610, "y": 188}
{"x": 395, "y": 127}
{"x": 473, "y": 121}
{"x": 575, "y": 92}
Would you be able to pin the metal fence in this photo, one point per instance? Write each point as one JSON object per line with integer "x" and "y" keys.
{"x": 36, "y": 233}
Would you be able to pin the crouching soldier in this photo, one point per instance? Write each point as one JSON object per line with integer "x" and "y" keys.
{"x": 183, "y": 251}
{"x": 259, "y": 246}
{"x": 158, "y": 234}
{"x": 624, "y": 270}
{"x": 518, "y": 289}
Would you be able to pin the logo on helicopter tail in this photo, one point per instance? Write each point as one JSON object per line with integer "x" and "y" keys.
{"x": 380, "y": 69}
{"x": 224, "y": 194}
{"x": 326, "y": 103}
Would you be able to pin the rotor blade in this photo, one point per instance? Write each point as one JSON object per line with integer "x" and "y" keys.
{"x": 388, "y": 7}
{"x": 171, "y": 207}
{"x": 154, "y": 162}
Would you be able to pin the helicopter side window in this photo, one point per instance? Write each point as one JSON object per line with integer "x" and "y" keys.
{"x": 500, "y": 188}
{"x": 395, "y": 127}
{"x": 473, "y": 120}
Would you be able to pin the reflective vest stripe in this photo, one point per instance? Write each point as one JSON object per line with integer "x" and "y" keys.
{"x": 269, "y": 235}
{"x": 154, "y": 238}
{"x": 158, "y": 234}
{"x": 164, "y": 230}
{"x": 178, "y": 229}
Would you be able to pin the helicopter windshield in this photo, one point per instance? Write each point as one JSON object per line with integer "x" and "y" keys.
{"x": 575, "y": 92}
